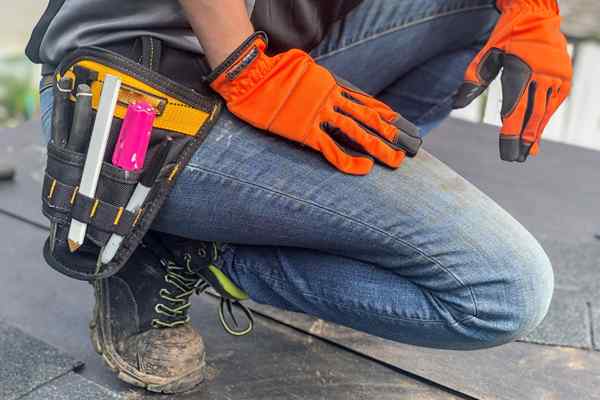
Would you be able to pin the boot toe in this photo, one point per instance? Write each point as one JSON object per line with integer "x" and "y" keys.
{"x": 174, "y": 356}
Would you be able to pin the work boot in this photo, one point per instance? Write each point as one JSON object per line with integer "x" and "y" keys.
{"x": 141, "y": 324}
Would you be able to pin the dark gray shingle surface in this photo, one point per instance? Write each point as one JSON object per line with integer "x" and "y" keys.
{"x": 275, "y": 362}
{"x": 577, "y": 275}
{"x": 71, "y": 387}
{"x": 595, "y": 317}
{"x": 567, "y": 323}
{"x": 22, "y": 148}
{"x": 552, "y": 196}
{"x": 26, "y": 362}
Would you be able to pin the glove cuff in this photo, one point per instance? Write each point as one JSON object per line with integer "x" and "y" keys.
{"x": 237, "y": 54}
{"x": 532, "y": 5}
{"x": 243, "y": 69}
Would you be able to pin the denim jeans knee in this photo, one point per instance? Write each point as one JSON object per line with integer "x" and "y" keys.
{"x": 527, "y": 282}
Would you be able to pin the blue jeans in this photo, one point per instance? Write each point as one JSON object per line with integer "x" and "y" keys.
{"x": 417, "y": 255}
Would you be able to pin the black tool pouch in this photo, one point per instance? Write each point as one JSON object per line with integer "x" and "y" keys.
{"x": 185, "y": 112}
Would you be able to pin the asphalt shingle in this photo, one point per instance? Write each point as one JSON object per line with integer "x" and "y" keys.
{"x": 547, "y": 197}
{"x": 69, "y": 387}
{"x": 566, "y": 324}
{"x": 594, "y": 309}
{"x": 28, "y": 362}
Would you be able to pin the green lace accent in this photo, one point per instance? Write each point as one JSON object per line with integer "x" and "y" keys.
{"x": 229, "y": 295}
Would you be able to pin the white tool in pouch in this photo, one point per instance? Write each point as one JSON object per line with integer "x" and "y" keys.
{"x": 95, "y": 154}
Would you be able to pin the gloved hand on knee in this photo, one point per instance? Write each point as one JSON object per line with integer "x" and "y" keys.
{"x": 292, "y": 96}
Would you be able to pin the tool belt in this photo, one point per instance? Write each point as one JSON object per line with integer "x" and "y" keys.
{"x": 184, "y": 110}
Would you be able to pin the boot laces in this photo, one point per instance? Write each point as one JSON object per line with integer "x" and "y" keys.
{"x": 180, "y": 287}
{"x": 183, "y": 281}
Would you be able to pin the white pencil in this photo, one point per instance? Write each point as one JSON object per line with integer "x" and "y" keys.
{"x": 95, "y": 154}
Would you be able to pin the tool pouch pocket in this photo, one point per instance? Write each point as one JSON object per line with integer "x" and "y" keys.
{"x": 184, "y": 116}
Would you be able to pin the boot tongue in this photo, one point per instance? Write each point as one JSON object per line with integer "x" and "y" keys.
{"x": 194, "y": 255}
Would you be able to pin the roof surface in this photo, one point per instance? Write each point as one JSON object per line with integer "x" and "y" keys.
{"x": 295, "y": 356}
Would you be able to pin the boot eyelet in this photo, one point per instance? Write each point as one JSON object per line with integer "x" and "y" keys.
{"x": 202, "y": 252}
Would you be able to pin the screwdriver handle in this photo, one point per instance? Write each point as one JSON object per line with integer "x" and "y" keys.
{"x": 82, "y": 120}
{"x": 61, "y": 112}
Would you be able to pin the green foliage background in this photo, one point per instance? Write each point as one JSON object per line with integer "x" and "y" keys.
{"x": 18, "y": 92}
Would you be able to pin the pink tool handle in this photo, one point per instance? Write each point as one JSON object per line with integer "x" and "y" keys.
{"x": 134, "y": 137}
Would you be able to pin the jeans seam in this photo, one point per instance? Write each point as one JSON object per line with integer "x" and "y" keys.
{"x": 430, "y": 258}
{"x": 401, "y": 26}
{"x": 284, "y": 285}
{"x": 434, "y": 108}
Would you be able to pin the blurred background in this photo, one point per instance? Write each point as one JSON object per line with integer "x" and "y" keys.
{"x": 18, "y": 77}
{"x": 577, "y": 122}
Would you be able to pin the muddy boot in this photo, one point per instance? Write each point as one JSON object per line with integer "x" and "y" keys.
{"x": 141, "y": 325}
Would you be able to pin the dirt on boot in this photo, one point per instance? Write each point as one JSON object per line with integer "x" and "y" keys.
{"x": 141, "y": 325}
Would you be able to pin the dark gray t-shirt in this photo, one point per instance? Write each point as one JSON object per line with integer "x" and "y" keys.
{"x": 77, "y": 23}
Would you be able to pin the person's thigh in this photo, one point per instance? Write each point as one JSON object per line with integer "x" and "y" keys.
{"x": 410, "y": 54}
{"x": 445, "y": 265}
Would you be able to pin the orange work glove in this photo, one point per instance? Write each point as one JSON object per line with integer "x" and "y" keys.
{"x": 537, "y": 74}
{"x": 290, "y": 95}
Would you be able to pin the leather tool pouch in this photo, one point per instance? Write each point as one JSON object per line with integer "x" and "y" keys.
{"x": 185, "y": 111}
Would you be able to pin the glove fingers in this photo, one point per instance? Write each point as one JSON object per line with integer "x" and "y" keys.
{"x": 518, "y": 101}
{"x": 368, "y": 117}
{"x": 399, "y": 132}
{"x": 537, "y": 104}
{"x": 371, "y": 143}
{"x": 403, "y": 133}
{"x": 547, "y": 100}
{"x": 358, "y": 97}
{"x": 512, "y": 126}
{"x": 340, "y": 153}
{"x": 408, "y": 137}
{"x": 467, "y": 93}
{"x": 538, "y": 97}
{"x": 479, "y": 74}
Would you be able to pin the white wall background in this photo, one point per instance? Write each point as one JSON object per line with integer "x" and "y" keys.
{"x": 17, "y": 19}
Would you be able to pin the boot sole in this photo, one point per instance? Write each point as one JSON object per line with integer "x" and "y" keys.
{"x": 181, "y": 384}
